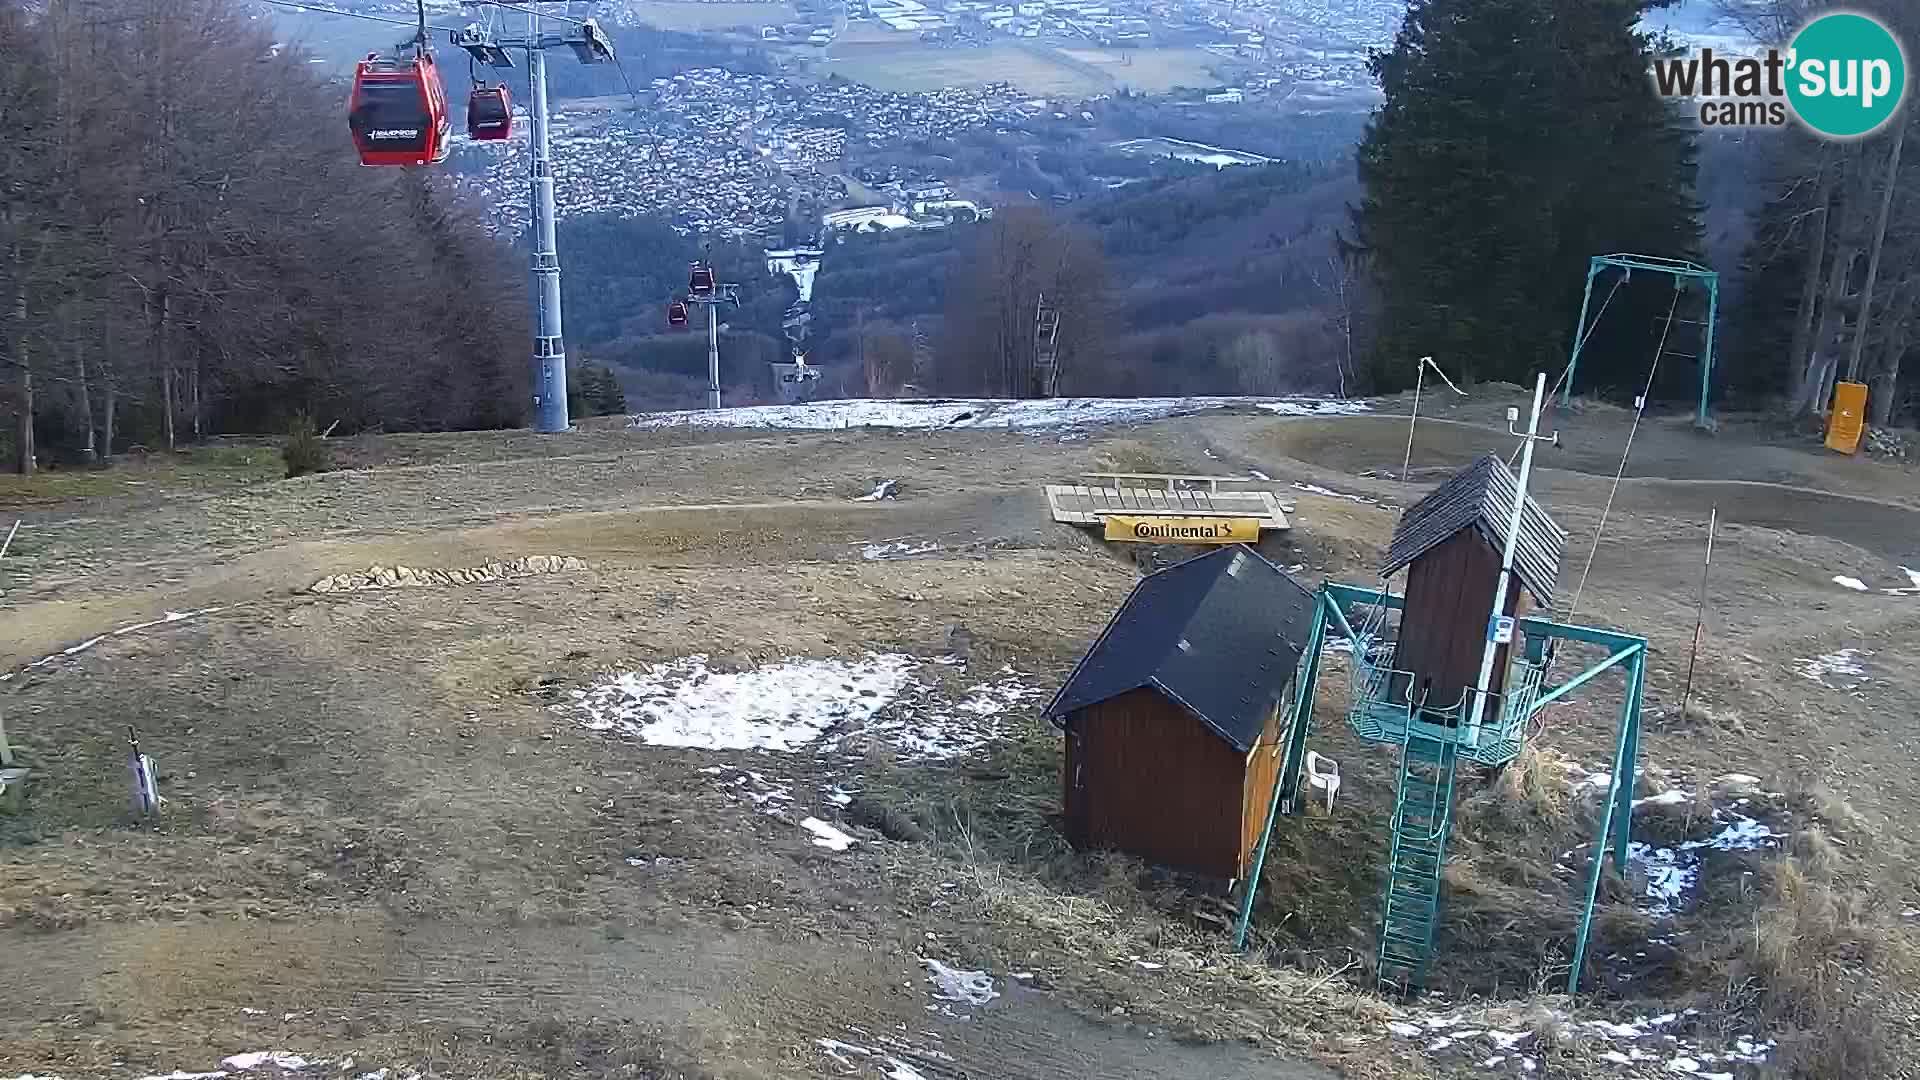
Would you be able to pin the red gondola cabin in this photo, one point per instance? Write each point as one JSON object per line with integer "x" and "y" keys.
{"x": 489, "y": 114}
{"x": 677, "y": 315}
{"x": 398, "y": 113}
{"x": 700, "y": 279}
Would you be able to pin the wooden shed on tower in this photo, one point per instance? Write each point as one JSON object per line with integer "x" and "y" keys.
{"x": 1175, "y": 719}
{"x": 1450, "y": 543}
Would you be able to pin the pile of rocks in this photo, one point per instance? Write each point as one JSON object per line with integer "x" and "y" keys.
{"x": 400, "y": 577}
{"x": 1888, "y": 444}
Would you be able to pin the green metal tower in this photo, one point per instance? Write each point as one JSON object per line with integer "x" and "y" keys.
{"x": 1431, "y": 742}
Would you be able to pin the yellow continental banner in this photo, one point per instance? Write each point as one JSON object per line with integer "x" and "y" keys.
{"x": 1184, "y": 530}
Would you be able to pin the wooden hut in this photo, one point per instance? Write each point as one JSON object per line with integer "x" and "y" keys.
{"x": 1450, "y": 544}
{"x": 1175, "y": 719}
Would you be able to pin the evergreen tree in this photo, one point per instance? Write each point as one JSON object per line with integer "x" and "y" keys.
{"x": 1518, "y": 138}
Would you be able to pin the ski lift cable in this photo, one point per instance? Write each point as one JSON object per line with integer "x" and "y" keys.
{"x": 1578, "y": 347}
{"x": 1639, "y": 410}
{"x": 408, "y": 23}
{"x": 530, "y": 9}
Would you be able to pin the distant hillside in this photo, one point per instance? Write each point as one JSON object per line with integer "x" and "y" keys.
{"x": 1195, "y": 263}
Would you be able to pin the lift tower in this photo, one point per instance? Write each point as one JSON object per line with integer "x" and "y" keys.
{"x": 590, "y": 45}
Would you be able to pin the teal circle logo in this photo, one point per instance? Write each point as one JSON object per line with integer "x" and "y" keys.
{"x": 1847, "y": 75}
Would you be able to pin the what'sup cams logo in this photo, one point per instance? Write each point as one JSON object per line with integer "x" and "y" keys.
{"x": 1844, "y": 75}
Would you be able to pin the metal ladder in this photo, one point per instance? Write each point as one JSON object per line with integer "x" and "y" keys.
{"x": 1422, "y": 817}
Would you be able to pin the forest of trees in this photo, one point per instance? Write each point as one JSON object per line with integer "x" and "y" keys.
{"x": 188, "y": 247}
{"x": 1521, "y": 137}
{"x": 1518, "y": 138}
{"x": 1834, "y": 271}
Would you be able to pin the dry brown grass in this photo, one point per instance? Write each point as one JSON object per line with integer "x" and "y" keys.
{"x": 1817, "y": 962}
{"x": 1129, "y": 456}
{"x": 1668, "y": 823}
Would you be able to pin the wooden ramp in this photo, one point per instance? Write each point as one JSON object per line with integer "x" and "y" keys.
{"x": 1174, "y": 496}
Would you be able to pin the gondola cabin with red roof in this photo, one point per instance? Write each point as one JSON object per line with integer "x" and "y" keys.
{"x": 398, "y": 112}
{"x": 489, "y": 114}
{"x": 677, "y": 314}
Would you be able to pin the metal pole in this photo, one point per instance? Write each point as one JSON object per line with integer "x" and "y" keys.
{"x": 1580, "y": 331}
{"x": 1407, "y": 461}
{"x": 1699, "y": 611}
{"x": 713, "y": 355}
{"x": 549, "y": 346}
{"x": 1492, "y": 649}
{"x": 1706, "y": 363}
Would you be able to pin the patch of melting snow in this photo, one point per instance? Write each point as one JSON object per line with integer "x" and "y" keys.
{"x": 1635, "y": 1042}
{"x": 834, "y": 706}
{"x": 882, "y": 490}
{"x": 178, "y": 1074}
{"x": 255, "y": 1059}
{"x": 165, "y": 620}
{"x": 1315, "y": 489}
{"x": 1038, "y": 414}
{"x": 1846, "y": 582}
{"x": 896, "y": 549}
{"x": 1907, "y": 590}
{"x": 891, "y": 1067}
{"x": 780, "y": 706}
{"x": 1674, "y": 872}
{"x": 826, "y": 836}
{"x": 1846, "y": 663}
{"x": 953, "y": 984}
{"x": 1260, "y": 476}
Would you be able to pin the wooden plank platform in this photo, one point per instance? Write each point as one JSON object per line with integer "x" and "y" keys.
{"x": 1082, "y": 504}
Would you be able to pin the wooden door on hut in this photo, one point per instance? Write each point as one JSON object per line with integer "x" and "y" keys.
{"x": 1175, "y": 719}
{"x": 1450, "y": 544}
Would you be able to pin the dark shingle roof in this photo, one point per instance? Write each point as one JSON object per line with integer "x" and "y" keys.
{"x": 1220, "y": 633}
{"x": 1481, "y": 497}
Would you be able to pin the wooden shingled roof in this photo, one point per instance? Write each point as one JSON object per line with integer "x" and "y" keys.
{"x": 1481, "y": 497}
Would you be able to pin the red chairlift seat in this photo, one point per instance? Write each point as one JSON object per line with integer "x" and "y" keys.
{"x": 489, "y": 114}
{"x": 677, "y": 314}
{"x": 700, "y": 278}
{"x": 398, "y": 112}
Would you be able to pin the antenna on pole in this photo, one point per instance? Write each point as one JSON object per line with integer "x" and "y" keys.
{"x": 1499, "y": 625}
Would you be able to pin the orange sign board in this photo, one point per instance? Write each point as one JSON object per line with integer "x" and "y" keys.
{"x": 1183, "y": 530}
{"x": 1848, "y": 421}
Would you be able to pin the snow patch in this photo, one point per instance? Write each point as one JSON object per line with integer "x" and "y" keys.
{"x": 1846, "y": 582}
{"x": 255, "y": 1059}
{"x": 826, "y": 836}
{"x": 165, "y": 620}
{"x": 1316, "y": 489}
{"x": 896, "y": 549}
{"x": 952, "y": 984}
{"x": 833, "y": 706}
{"x": 1674, "y": 872}
{"x": 780, "y": 706}
{"x": 1843, "y": 664}
{"x": 883, "y": 490}
{"x": 1030, "y": 415}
